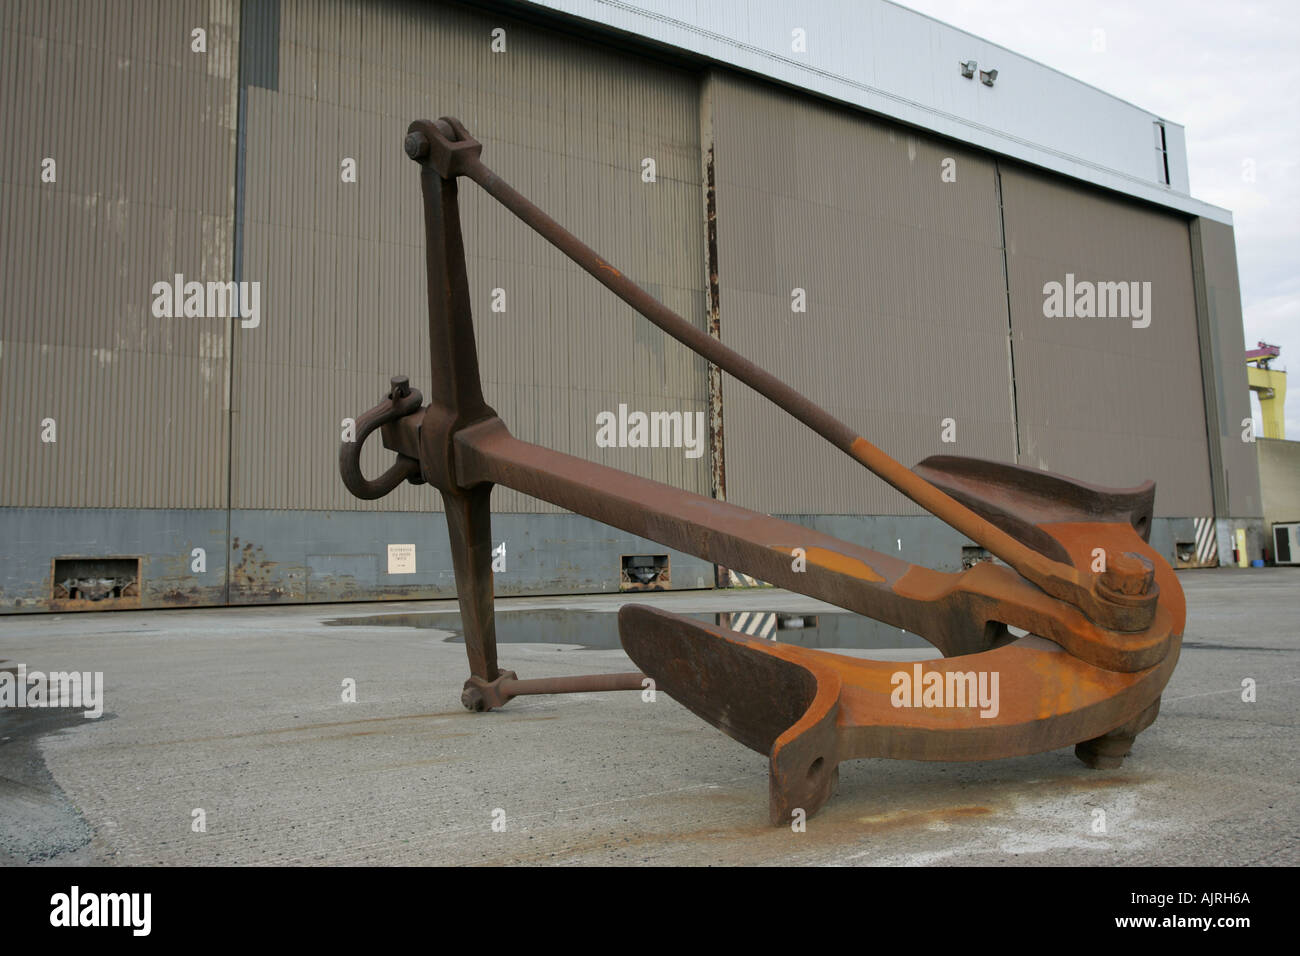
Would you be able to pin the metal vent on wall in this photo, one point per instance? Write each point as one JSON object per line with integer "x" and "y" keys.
{"x": 644, "y": 572}
{"x": 96, "y": 582}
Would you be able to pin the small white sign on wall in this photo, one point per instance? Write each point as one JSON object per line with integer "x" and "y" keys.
{"x": 401, "y": 559}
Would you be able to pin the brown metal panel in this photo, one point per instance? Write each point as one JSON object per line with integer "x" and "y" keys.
{"x": 1100, "y": 399}
{"x": 564, "y": 119}
{"x": 906, "y": 319}
{"x": 114, "y": 95}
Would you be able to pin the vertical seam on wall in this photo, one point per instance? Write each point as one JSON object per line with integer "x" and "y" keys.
{"x": 258, "y": 66}
{"x": 1006, "y": 283}
{"x": 713, "y": 307}
{"x": 236, "y": 270}
{"x": 1214, "y": 424}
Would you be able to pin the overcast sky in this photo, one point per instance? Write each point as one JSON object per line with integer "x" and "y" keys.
{"x": 1230, "y": 73}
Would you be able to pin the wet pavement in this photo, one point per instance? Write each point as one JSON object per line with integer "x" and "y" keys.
{"x": 230, "y": 736}
{"x": 832, "y": 629}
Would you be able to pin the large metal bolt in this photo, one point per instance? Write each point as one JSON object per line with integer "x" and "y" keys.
{"x": 401, "y": 387}
{"x": 1128, "y": 574}
{"x": 416, "y": 145}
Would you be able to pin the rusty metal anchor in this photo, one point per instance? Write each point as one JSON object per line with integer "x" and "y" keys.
{"x": 1101, "y": 644}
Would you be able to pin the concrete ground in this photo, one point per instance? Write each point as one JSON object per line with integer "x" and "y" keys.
{"x": 239, "y": 713}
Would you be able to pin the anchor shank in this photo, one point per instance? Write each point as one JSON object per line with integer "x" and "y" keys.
{"x": 838, "y": 572}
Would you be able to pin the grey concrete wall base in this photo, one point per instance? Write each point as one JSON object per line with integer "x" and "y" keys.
{"x": 321, "y": 556}
{"x": 308, "y": 556}
{"x": 1257, "y": 538}
{"x": 343, "y": 556}
{"x": 926, "y": 540}
{"x": 1175, "y": 538}
{"x": 31, "y": 539}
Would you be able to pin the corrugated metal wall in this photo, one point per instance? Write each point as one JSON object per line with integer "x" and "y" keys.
{"x": 1099, "y": 399}
{"x": 142, "y": 132}
{"x": 342, "y": 264}
{"x": 906, "y": 320}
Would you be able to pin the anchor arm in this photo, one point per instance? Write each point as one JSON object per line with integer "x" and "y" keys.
{"x": 809, "y": 710}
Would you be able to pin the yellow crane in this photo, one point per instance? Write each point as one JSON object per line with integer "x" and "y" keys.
{"x": 1270, "y": 384}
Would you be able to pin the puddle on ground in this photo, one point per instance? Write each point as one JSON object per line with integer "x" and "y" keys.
{"x": 599, "y": 629}
{"x": 38, "y": 822}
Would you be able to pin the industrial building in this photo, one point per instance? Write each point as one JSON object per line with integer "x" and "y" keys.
{"x": 951, "y": 247}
